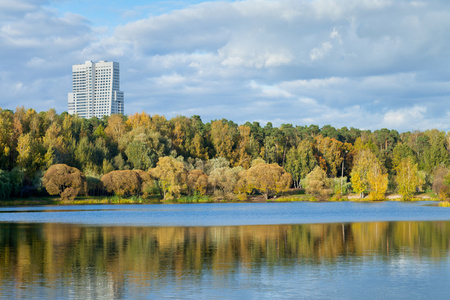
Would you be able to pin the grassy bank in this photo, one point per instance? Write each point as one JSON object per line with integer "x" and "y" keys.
{"x": 291, "y": 196}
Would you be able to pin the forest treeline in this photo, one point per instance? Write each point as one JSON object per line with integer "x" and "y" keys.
{"x": 184, "y": 156}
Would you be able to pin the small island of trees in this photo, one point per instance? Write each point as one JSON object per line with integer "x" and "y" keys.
{"x": 150, "y": 157}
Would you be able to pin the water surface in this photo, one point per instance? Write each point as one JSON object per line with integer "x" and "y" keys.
{"x": 227, "y": 214}
{"x": 299, "y": 251}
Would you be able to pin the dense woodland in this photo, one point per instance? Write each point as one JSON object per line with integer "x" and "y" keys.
{"x": 184, "y": 156}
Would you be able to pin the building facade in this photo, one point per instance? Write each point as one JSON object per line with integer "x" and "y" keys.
{"x": 95, "y": 90}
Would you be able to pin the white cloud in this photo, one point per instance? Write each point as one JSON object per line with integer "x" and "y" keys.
{"x": 361, "y": 63}
{"x": 403, "y": 116}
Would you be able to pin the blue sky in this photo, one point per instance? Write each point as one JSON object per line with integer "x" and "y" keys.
{"x": 368, "y": 64}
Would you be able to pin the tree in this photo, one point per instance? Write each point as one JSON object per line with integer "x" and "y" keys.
{"x": 359, "y": 175}
{"x": 197, "y": 181}
{"x": 400, "y": 152}
{"x": 143, "y": 147}
{"x": 300, "y": 161}
{"x": 222, "y": 138}
{"x": 122, "y": 182}
{"x": 147, "y": 183}
{"x": 407, "y": 177}
{"x": 441, "y": 184}
{"x": 223, "y": 180}
{"x": 115, "y": 128}
{"x": 66, "y": 181}
{"x": 367, "y": 175}
{"x": 317, "y": 184}
{"x": 268, "y": 179}
{"x": 5, "y": 185}
{"x": 378, "y": 182}
{"x": 241, "y": 154}
{"x": 171, "y": 176}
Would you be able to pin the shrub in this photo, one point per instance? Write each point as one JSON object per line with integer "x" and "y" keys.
{"x": 66, "y": 181}
{"x": 122, "y": 182}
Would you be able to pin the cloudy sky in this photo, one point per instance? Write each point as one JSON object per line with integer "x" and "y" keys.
{"x": 367, "y": 64}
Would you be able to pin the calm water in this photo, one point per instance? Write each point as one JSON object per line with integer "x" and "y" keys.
{"x": 226, "y": 251}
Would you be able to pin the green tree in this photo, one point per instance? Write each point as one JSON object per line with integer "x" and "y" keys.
{"x": 300, "y": 161}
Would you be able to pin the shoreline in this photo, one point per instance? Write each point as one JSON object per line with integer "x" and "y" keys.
{"x": 95, "y": 200}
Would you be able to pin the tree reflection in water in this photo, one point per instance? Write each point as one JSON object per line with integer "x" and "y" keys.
{"x": 105, "y": 261}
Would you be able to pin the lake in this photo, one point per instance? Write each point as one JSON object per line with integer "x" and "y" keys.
{"x": 343, "y": 250}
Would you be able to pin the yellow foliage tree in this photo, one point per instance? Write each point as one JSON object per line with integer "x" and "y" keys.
{"x": 138, "y": 120}
{"x": 367, "y": 175}
{"x": 222, "y": 139}
{"x": 268, "y": 179}
{"x": 378, "y": 182}
{"x": 171, "y": 176}
{"x": 115, "y": 128}
{"x": 407, "y": 178}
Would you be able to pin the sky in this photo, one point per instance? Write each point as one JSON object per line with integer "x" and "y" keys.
{"x": 368, "y": 64}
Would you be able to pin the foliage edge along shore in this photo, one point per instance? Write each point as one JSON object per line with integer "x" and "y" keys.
{"x": 46, "y": 158}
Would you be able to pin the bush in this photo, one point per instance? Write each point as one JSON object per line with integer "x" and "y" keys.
{"x": 66, "y": 181}
{"x": 122, "y": 183}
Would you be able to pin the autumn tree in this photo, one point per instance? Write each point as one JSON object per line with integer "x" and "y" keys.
{"x": 223, "y": 180}
{"x": 197, "y": 181}
{"x": 367, "y": 175}
{"x": 441, "y": 184}
{"x": 122, "y": 182}
{"x": 31, "y": 154}
{"x": 331, "y": 150}
{"x": 317, "y": 184}
{"x": 171, "y": 177}
{"x": 378, "y": 182}
{"x": 66, "y": 181}
{"x": 243, "y": 148}
{"x": 115, "y": 128}
{"x": 222, "y": 138}
{"x": 407, "y": 177}
{"x": 138, "y": 120}
{"x": 268, "y": 179}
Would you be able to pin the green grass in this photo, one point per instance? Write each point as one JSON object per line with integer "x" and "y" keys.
{"x": 193, "y": 199}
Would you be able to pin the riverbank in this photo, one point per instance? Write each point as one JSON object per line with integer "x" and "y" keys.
{"x": 288, "y": 197}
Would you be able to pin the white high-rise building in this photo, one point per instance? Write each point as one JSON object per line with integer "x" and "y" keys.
{"x": 95, "y": 90}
